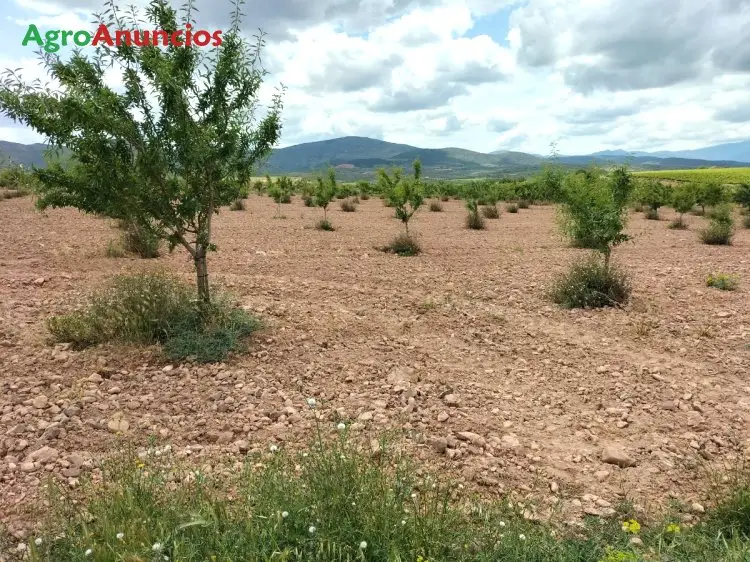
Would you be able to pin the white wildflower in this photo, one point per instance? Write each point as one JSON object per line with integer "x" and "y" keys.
{"x": 156, "y": 547}
{"x": 120, "y": 536}
{"x": 274, "y": 448}
{"x": 502, "y": 523}
{"x": 522, "y": 537}
{"x": 88, "y": 552}
{"x": 341, "y": 426}
{"x": 362, "y": 545}
{"x": 284, "y": 514}
{"x": 311, "y": 402}
{"x": 312, "y": 530}
{"x": 38, "y": 541}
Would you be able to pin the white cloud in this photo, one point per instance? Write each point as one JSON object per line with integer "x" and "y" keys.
{"x": 634, "y": 74}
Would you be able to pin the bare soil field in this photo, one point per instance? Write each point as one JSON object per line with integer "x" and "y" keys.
{"x": 455, "y": 351}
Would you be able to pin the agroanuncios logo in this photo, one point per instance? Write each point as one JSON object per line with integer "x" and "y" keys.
{"x": 56, "y": 38}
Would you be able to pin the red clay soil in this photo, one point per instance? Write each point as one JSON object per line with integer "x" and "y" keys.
{"x": 457, "y": 349}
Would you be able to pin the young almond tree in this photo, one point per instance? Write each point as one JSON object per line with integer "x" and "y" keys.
{"x": 404, "y": 194}
{"x": 175, "y": 145}
{"x": 593, "y": 214}
{"x": 325, "y": 192}
{"x": 683, "y": 200}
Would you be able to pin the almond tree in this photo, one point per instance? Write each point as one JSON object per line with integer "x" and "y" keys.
{"x": 405, "y": 194}
{"x": 170, "y": 150}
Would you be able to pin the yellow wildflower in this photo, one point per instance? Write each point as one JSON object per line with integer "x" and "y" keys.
{"x": 631, "y": 526}
{"x": 673, "y": 528}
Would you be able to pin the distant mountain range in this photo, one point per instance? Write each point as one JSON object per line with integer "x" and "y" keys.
{"x": 359, "y": 157}
{"x": 737, "y": 151}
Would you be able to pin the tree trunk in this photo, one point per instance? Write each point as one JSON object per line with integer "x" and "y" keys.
{"x": 406, "y": 226}
{"x": 606, "y": 261}
{"x": 201, "y": 271}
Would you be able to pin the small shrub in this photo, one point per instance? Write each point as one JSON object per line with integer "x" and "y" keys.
{"x": 511, "y": 208}
{"x": 114, "y": 249}
{"x": 721, "y": 228}
{"x": 591, "y": 284}
{"x": 308, "y": 201}
{"x": 436, "y": 207}
{"x": 156, "y": 308}
{"x": 722, "y": 281}
{"x": 140, "y": 240}
{"x": 237, "y": 205}
{"x": 364, "y": 196}
{"x": 523, "y": 204}
{"x": 475, "y": 221}
{"x": 746, "y": 222}
{"x": 652, "y": 214}
{"x": 348, "y": 206}
{"x": 678, "y": 224}
{"x": 445, "y": 198}
{"x": 491, "y": 212}
{"x": 403, "y": 245}
{"x": 324, "y": 224}
{"x": 637, "y": 207}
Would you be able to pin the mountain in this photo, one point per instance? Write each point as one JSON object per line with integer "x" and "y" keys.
{"x": 26, "y": 154}
{"x": 359, "y": 157}
{"x": 738, "y": 151}
{"x": 647, "y": 162}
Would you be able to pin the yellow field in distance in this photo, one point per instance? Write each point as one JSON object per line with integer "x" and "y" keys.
{"x": 723, "y": 175}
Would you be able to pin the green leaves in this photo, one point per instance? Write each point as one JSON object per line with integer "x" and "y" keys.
{"x": 593, "y": 213}
{"x": 404, "y": 194}
{"x": 179, "y": 143}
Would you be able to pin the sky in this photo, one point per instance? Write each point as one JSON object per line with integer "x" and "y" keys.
{"x": 483, "y": 75}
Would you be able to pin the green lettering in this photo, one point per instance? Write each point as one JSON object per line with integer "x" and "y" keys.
{"x": 32, "y": 34}
{"x": 82, "y": 38}
{"x": 50, "y": 45}
{"x": 65, "y": 36}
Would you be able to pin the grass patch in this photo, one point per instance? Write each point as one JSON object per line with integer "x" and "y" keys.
{"x": 436, "y": 207}
{"x": 746, "y": 221}
{"x": 717, "y": 234}
{"x": 722, "y": 281}
{"x": 678, "y": 224}
{"x": 139, "y": 240}
{"x": 511, "y": 208}
{"x": 475, "y": 221}
{"x": 115, "y": 249}
{"x": 589, "y": 284}
{"x": 237, "y": 205}
{"x": 340, "y": 502}
{"x": 348, "y": 206}
{"x": 523, "y": 204}
{"x": 403, "y": 245}
{"x": 324, "y": 224}
{"x": 153, "y": 308}
{"x": 651, "y": 214}
{"x": 491, "y": 212}
{"x": 720, "y": 230}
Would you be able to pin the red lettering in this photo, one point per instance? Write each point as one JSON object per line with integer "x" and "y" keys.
{"x": 164, "y": 37}
{"x": 217, "y": 39}
{"x": 176, "y": 38}
{"x": 102, "y": 34}
{"x": 202, "y": 38}
{"x": 189, "y": 35}
{"x": 121, "y": 36}
{"x": 142, "y": 38}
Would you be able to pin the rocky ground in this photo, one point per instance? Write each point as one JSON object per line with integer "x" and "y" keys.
{"x": 457, "y": 350}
